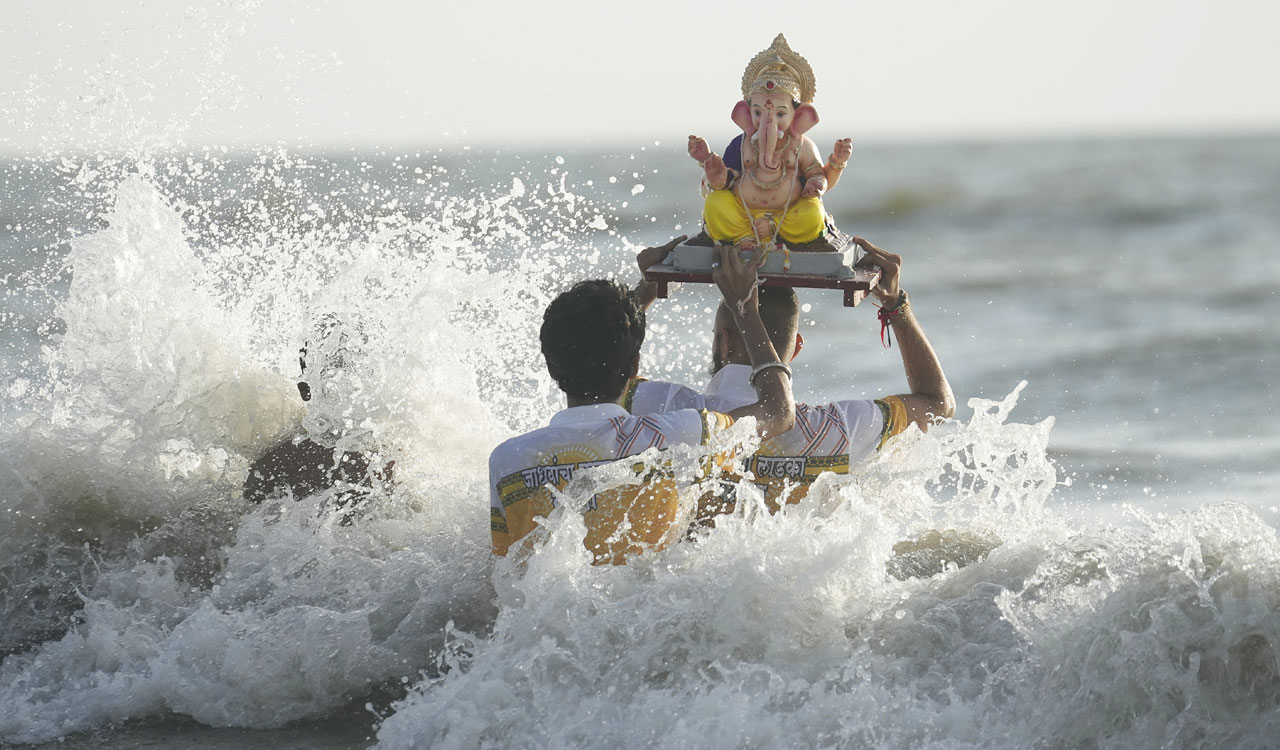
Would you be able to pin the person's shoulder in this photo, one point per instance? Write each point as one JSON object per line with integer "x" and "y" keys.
{"x": 857, "y": 414}
{"x": 695, "y": 425}
{"x": 871, "y": 422}
{"x": 516, "y": 441}
{"x": 854, "y": 409}
{"x": 656, "y": 396}
{"x": 509, "y": 449}
{"x": 852, "y": 403}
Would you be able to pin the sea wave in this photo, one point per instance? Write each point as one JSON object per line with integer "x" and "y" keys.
{"x": 936, "y": 598}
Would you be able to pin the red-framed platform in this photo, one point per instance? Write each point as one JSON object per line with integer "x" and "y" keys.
{"x": 855, "y": 288}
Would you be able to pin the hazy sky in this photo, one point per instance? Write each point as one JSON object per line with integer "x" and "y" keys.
{"x": 566, "y": 72}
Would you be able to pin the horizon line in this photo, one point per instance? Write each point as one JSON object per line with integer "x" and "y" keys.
{"x": 604, "y": 146}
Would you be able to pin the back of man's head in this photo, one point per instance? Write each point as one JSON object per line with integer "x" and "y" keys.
{"x": 591, "y": 336}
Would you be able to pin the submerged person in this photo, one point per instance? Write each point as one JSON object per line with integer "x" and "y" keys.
{"x": 331, "y": 452}
{"x": 827, "y": 437}
{"x": 591, "y": 337}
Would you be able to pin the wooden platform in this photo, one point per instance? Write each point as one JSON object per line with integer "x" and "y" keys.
{"x": 855, "y": 288}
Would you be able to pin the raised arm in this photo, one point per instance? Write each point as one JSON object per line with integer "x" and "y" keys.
{"x": 930, "y": 395}
{"x": 774, "y": 408}
{"x": 834, "y": 166}
{"x": 716, "y": 175}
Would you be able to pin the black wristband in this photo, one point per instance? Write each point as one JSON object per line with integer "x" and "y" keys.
{"x": 898, "y": 305}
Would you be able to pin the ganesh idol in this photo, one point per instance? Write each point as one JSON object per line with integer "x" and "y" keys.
{"x": 767, "y": 188}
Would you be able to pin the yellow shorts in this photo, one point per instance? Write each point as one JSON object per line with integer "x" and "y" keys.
{"x": 727, "y": 221}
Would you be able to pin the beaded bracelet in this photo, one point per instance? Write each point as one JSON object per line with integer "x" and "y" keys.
{"x": 728, "y": 182}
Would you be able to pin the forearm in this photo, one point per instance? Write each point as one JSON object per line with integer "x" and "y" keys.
{"x": 645, "y": 292}
{"x": 815, "y": 175}
{"x": 814, "y": 172}
{"x": 755, "y": 336}
{"x": 836, "y": 162}
{"x": 730, "y": 176}
{"x": 774, "y": 409}
{"x": 930, "y": 395}
{"x": 832, "y": 174}
{"x": 925, "y": 378}
{"x": 736, "y": 276}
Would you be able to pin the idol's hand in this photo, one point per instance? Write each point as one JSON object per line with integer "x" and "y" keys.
{"x": 698, "y": 149}
{"x": 842, "y": 151}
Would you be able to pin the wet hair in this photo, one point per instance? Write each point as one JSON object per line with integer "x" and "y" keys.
{"x": 591, "y": 335}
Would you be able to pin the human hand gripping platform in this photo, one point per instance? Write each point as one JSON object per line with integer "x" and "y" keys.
{"x": 889, "y": 266}
{"x": 647, "y": 291}
{"x": 735, "y": 273}
{"x": 893, "y": 299}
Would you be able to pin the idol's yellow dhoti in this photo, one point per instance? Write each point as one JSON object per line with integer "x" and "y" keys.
{"x": 727, "y": 220}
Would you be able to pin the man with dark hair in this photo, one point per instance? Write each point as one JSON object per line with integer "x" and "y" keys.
{"x": 826, "y": 437}
{"x": 591, "y": 337}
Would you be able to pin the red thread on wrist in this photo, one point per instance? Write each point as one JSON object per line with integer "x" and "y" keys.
{"x": 884, "y": 312}
{"x": 886, "y": 338}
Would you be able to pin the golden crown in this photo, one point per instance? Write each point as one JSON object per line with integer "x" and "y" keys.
{"x": 778, "y": 68}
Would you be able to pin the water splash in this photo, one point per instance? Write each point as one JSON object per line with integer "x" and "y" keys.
{"x": 933, "y": 599}
{"x": 136, "y": 582}
{"x": 798, "y": 630}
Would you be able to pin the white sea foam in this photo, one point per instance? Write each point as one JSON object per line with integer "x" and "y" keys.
{"x": 930, "y": 600}
{"x": 785, "y": 631}
{"x": 123, "y": 472}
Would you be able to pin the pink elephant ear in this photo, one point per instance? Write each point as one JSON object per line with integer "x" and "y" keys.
{"x": 742, "y": 116}
{"x": 804, "y": 119}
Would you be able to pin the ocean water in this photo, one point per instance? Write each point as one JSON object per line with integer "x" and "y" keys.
{"x": 1102, "y": 308}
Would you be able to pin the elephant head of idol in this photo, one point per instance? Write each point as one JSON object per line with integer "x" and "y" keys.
{"x": 777, "y": 100}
